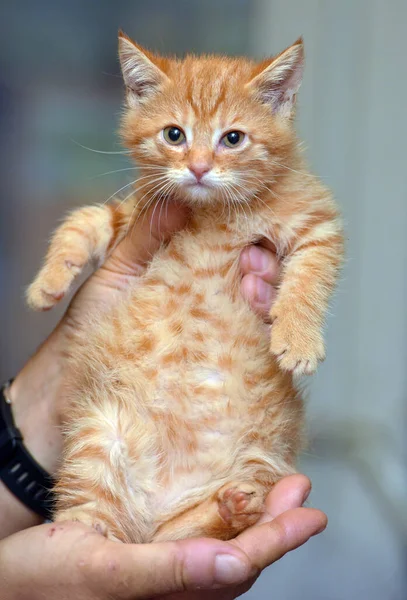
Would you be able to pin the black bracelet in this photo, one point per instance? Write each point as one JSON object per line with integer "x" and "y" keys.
{"x": 19, "y": 471}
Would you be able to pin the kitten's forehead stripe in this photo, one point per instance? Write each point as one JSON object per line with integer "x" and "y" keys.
{"x": 207, "y": 85}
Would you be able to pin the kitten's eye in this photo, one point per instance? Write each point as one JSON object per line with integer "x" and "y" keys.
{"x": 174, "y": 136}
{"x": 233, "y": 139}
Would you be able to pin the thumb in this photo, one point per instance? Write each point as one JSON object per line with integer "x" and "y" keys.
{"x": 146, "y": 570}
{"x": 145, "y": 237}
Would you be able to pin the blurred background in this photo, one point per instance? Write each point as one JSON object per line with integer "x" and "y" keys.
{"x": 60, "y": 87}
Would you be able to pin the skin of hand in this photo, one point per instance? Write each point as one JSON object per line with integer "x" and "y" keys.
{"x": 70, "y": 561}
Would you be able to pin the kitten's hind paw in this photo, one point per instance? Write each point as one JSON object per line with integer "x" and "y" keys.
{"x": 82, "y": 516}
{"x": 240, "y": 504}
{"x": 52, "y": 283}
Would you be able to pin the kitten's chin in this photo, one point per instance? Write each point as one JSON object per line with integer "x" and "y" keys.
{"x": 197, "y": 194}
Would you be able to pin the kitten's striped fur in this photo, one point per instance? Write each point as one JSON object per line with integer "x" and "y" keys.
{"x": 182, "y": 413}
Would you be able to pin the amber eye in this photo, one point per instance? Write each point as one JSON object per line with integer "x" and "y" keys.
{"x": 233, "y": 139}
{"x": 174, "y": 135}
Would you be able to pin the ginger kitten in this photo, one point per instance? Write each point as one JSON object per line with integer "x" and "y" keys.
{"x": 183, "y": 412}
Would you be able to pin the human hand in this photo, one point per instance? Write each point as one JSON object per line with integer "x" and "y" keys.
{"x": 261, "y": 272}
{"x": 69, "y": 560}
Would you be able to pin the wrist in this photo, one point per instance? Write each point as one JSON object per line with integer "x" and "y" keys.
{"x": 34, "y": 394}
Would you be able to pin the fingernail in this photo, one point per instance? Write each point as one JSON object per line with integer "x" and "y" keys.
{"x": 229, "y": 569}
{"x": 263, "y": 291}
{"x": 258, "y": 260}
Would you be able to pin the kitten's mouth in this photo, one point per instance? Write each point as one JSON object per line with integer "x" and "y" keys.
{"x": 198, "y": 184}
{"x": 200, "y": 188}
{"x": 197, "y": 192}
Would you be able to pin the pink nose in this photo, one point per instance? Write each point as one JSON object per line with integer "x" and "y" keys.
{"x": 199, "y": 170}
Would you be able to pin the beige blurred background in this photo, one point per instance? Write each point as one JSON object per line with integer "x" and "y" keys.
{"x": 59, "y": 82}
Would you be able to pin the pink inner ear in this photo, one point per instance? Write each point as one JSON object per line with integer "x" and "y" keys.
{"x": 140, "y": 73}
{"x": 279, "y": 82}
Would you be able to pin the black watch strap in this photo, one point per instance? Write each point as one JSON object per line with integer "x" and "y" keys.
{"x": 19, "y": 471}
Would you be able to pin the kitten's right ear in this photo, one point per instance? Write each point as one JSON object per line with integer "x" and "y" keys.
{"x": 141, "y": 75}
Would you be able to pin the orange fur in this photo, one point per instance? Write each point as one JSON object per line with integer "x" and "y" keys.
{"x": 182, "y": 411}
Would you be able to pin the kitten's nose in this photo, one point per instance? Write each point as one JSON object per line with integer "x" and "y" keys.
{"x": 199, "y": 169}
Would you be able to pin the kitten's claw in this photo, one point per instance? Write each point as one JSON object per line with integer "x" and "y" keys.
{"x": 297, "y": 366}
{"x": 297, "y": 346}
{"x": 51, "y": 284}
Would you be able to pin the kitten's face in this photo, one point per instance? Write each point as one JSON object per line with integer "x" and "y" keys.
{"x": 206, "y": 129}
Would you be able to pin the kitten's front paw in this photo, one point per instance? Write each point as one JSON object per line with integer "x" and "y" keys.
{"x": 52, "y": 283}
{"x": 297, "y": 344}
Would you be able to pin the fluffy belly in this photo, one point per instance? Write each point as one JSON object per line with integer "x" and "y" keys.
{"x": 181, "y": 374}
{"x": 176, "y": 397}
{"x": 212, "y": 387}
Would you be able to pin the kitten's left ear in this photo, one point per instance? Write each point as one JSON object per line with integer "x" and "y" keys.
{"x": 277, "y": 81}
{"x": 141, "y": 73}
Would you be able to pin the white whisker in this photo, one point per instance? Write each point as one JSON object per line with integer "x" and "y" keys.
{"x": 164, "y": 194}
{"x": 151, "y": 176}
{"x": 115, "y": 171}
{"x": 241, "y": 201}
{"x": 100, "y": 151}
{"x": 118, "y": 191}
{"x": 161, "y": 186}
{"x": 274, "y": 162}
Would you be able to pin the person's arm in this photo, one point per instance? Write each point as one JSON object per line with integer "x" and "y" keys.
{"x": 68, "y": 560}
{"x": 33, "y": 394}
